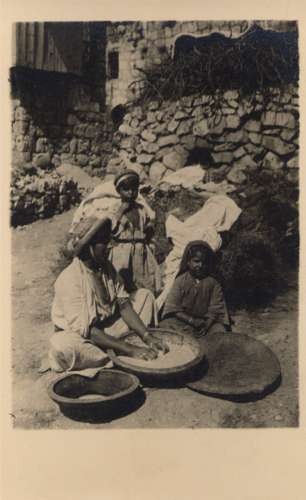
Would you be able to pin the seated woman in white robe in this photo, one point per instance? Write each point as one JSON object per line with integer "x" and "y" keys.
{"x": 91, "y": 308}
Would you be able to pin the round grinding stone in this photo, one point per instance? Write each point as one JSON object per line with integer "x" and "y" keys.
{"x": 239, "y": 368}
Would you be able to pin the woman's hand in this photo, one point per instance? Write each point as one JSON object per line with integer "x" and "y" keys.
{"x": 198, "y": 323}
{"x": 156, "y": 344}
{"x": 143, "y": 353}
{"x": 204, "y": 329}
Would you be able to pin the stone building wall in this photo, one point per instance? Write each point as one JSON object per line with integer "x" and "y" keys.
{"x": 71, "y": 127}
{"x": 235, "y": 136}
{"x": 138, "y": 45}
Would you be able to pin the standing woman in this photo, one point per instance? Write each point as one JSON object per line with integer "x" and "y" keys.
{"x": 92, "y": 309}
{"x": 133, "y": 230}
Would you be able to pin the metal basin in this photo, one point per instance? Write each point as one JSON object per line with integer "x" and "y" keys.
{"x": 109, "y": 395}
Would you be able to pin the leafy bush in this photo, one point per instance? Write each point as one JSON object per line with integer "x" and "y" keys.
{"x": 37, "y": 194}
{"x": 257, "y": 60}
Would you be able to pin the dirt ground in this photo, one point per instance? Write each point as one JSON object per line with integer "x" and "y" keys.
{"x": 34, "y": 263}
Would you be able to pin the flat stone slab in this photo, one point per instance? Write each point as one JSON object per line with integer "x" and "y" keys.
{"x": 239, "y": 368}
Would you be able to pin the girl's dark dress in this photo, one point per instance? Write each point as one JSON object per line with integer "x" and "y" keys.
{"x": 199, "y": 298}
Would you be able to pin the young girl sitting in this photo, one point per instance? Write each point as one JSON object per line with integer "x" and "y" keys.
{"x": 131, "y": 254}
{"x": 195, "y": 302}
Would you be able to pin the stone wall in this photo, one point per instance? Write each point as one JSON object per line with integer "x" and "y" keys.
{"x": 66, "y": 122}
{"x": 235, "y": 136}
{"x": 141, "y": 44}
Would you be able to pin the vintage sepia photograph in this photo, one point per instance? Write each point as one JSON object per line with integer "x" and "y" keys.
{"x": 154, "y": 222}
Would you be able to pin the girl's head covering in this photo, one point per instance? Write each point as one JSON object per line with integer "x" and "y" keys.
{"x": 83, "y": 233}
{"x": 203, "y": 247}
{"x": 124, "y": 176}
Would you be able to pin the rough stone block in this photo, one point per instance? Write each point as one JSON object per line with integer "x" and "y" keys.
{"x": 153, "y": 106}
{"x": 252, "y": 149}
{"x": 226, "y": 110}
{"x": 198, "y": 113}
{"x": 125, "y": 129}
{"x": 181, "y": 150}
{"x": 157, "y": 128}
{"x": 232, "y": 103}
{"x": 206, "y": 99}
{"x": 151, "y": 117}
{"x": 268, "y": 119}
{"x": 255, "y": 138}
{"x": 174, "y": 160}
{"x": 148, "y": 136}
{"x": 172, "y": 126}
{"x": 145, "y": 159}
{"x": 168, "y": 140}
{"x": 129, "y": 142}
{"x": 246, "y": 163}
{"x": 236, "y": 137}
{"x": 73, "y": 146}
{"x": 223, "y": 157}
{"x": 202, "y": 143}
{"x": 252, "y": 126}
{"x": 236, "y": 175}
{"x": 180, "y": 115}
{"x": 238, "y": 153}
{"x": 293, "y": 162}
{"x": 225, "y": 146}
{"x": 162, "y": 152}
{"x": 138, "y": 113}
{"x": 278, "y": 146}
{"x": 150, "y": 147}
{"x": 216, "y": 125}
{"x": 272, "y": 161}
{"x": 232, "y": 122}
{"x": 139, "y": 148}
{"x": 185, "y": 127}
{"x": 285, "y": 120}
{"x": 285, "y": 98}
{"x": 160, "y": 116}
{"x": 201, "y": 129}
{"x": 187, "y": 101}
{"x": 197, "y": 101}
{"x": 272, "y": 131}
{"x": 231, "y": 95}
{"x": 157, "y": 171}
{"x": 188, "y": 141}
